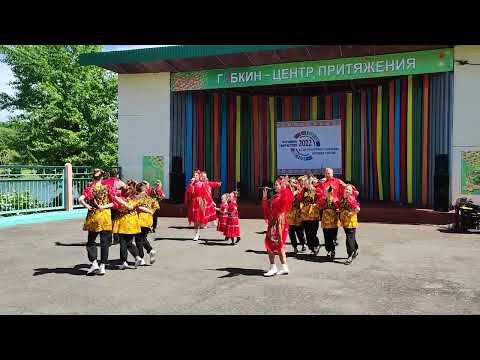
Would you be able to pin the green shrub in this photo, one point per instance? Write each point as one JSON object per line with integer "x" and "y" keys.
{"x": 18, "y": 201}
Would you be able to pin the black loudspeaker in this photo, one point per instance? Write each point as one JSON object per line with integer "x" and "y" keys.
{"x": 177, "y": 166}
{"x": 441, "y": 164}
{"x": 177, "y": 187}
{"x": 441, "y": 183}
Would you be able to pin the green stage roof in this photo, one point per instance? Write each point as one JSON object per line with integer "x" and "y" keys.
{"x": 172, "y": 53}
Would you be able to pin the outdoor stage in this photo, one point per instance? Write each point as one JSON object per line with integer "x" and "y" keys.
{"x": 371, "y": 211}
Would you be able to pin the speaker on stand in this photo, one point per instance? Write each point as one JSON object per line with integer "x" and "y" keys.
{"x": 177, "y": 181}
{"x": 441, "y": 184}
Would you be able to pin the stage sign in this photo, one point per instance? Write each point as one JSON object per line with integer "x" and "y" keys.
{"x": 153, "y": 169}
{"x": 309, "y": 146}
{"x": 471, "y": 172}
{"x": 399, "y": 64}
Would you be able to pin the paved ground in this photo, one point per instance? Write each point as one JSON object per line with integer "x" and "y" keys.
{"x": 402, "y": 269}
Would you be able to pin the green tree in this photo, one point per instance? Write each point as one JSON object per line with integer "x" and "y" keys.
{"x": 7, "y": 144}
{"x": 66, "y": 112}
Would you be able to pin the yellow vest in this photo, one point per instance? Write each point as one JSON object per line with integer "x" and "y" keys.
{"x": 347, "y": 221}
{"x": 146, "y": 219}
{"x": 308, "y": 206}
{"x": 127, "y": 222}
{"x": 329, "y": 217}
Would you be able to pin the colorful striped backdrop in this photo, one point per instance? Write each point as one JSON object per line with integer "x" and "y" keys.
{"x": 390, "y": 135}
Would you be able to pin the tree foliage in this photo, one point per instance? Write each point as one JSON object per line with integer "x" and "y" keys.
{"x": 66, "y": 112}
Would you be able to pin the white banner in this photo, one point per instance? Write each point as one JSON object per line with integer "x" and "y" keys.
{"x": 309, "y": 146}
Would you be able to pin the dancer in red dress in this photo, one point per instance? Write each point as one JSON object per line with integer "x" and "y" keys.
{"x": 197, "y": 194}
{"x": 275, "y": 213}
{"x": 223, "y": 214}
{"x": 211, "y": 213}
{"x": 188, "y": 196}
{"x": 233, "y": 225}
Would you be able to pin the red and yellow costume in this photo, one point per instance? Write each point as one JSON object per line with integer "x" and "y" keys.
{"x": 233, "y": 225}
{"x": 337, "y": 185}
{"x": 127, "y": 221}
{"x": 275, "y": 213}
{"x": 156, "y": 193}
{"x": 329, "y": 212}
{"x": 145, "y": 219}
{"x": 98, "y": 220}
{"x": 308, "y": 205}
{"x": 294, "y": 215}
{"x": 348, "y": 216}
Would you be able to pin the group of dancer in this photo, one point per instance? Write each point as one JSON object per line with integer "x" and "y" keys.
{"x": 299, "y": 206}
{"x": 126, "y": 211}
{"x": 202, "y": 210}
{"x": 295, "y": 207}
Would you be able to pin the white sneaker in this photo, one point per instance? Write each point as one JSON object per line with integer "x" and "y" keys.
{"x": 142, "y": 262}
{"x": 138, "y": 262}
{"x": 272, "y": 271}
{"x": 124, "y": 266}
{"x": 102, "y": 269}
{"x": 93, "y": 269}
{"x": 284, "y": 270}
{"x": 196, "y": 237}
{"x": 152, "y": 257}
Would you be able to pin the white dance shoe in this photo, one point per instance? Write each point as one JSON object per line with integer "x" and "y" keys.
{"x": 124, "y": 266}
{"x": 101, "y": 272}
{"x": 272, "y": 272}
{"x": 93, "y": 268}
{"x": 284, "y": 270}
{"x": 152, "y": 256}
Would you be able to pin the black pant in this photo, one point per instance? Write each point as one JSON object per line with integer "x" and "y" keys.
{"x": 114, "y": 214}
{"x": 126, "y": 243}
{"x": 295, "y": 231}
{"x": 330, "y": 236}
{"x": 311, "y": 229}
{"x": 105, "y": 240}
{"x": 155, "y": 218}
{"x": 141, "y": 240}
{"x": 351, "y": 241}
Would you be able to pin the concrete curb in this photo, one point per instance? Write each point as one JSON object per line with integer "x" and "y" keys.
{"x": 41, "y": 218}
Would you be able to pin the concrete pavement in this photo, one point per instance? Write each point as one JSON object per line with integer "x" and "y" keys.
{"x": 402, "y": 269}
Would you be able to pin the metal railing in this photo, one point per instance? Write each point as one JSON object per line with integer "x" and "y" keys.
{"x": 26, "y": 189}
{"x": 82, "y": 175}
{"x": 31, "y": 189}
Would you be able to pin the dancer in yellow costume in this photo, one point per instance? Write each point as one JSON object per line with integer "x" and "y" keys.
{"x": 294, "y": 216}
{"x": 349, "y": 208}
{"x": 310, "y": 213}
{"x": 98, "y": 200}
{"x": 330, "y": 221}
{"x": 147, "y": 207}
{"x": 127, "y": 225}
